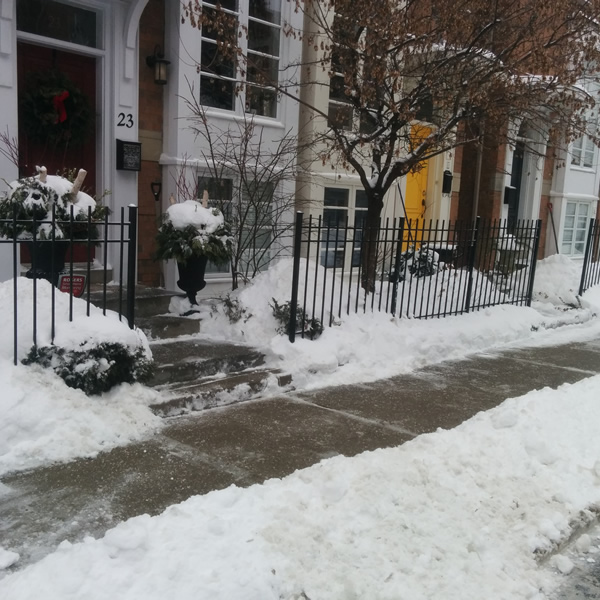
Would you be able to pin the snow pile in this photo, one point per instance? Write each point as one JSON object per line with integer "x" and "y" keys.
{"x": 366, "y": 346}
{"x": 80, "y": 333}
{"x": 557, "y": 282}
{"x": 453, "y": 514}
{"x": 43, "y": 420}
{"x": 190, "y": 212}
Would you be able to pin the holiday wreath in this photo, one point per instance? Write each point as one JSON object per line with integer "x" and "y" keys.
{"x": 55, "y": 111}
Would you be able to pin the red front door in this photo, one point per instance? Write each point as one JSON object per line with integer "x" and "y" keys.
{"x": 33, "y": 64}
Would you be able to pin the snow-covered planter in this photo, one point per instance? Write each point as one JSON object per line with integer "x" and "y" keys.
{"x": 193, "y": 235}
{"x": 32, "y": 200}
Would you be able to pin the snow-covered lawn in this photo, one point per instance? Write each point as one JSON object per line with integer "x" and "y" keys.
{"x": 455, "y": 514}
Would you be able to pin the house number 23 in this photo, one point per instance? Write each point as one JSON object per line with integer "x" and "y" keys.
{"x": 125, "y": 120}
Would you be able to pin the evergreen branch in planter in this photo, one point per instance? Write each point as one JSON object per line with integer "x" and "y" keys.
{"x": 190, "y": 230}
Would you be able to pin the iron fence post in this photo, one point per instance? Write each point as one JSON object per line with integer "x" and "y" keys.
{"x": 131, "y": 264}
{"x": 396, "y": 271}
{"x": 586, "y": 258}
{"x": 295, "y": 277}
{"x": 536, "y": 246}
{"x": 471, "y": 266}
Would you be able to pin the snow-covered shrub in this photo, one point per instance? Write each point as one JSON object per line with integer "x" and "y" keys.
{"x": 94, "y": 370}
{"x": 311, "y": 326}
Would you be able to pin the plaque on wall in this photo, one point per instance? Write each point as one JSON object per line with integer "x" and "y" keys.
{"x": 129, "y": 156}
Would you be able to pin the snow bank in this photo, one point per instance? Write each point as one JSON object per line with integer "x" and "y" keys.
{"x": 453, "y": 514}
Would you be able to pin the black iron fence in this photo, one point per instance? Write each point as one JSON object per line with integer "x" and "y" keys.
{"x": 590, "y": 274}
{"x": 414, "y": 269}
{"x": 52, "y": 258}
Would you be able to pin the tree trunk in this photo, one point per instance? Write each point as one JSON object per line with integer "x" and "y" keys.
{"x": 369, "y": 245}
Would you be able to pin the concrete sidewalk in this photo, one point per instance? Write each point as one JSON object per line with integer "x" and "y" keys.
{"x": 248, "y": 443}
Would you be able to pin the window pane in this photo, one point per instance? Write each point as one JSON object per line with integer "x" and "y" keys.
{"x": 584, "y": 209}
{"x": 226, "y": 4}
{"x": 580, "y": 235}
{"x": 266, "y": 10}
{"x": 340, "y": 116}
{"x": 263, "y": 38}
{"x": 58, "y": 21}
{"x": 213, "y": 62}
{"x": 261, "y": 101}
{"x": 566, "y": 249}
{"x": 336, "y": 197}
{"x": 262, "y": 69}
{"x": 217, "y": 93}
{"x": 218, "y": 189}
{"x": 337, "y": 89}
{"x": 361, "y": 200}
{"x": 571, "y": 208}
{"x": 578, "y": 248}
{"x": 333, "y": 217}
{"x": 568, "y": 235}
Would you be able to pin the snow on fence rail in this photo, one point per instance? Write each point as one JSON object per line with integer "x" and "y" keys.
{"x": 48, "y": 259}
{"x": 420, "y": 270}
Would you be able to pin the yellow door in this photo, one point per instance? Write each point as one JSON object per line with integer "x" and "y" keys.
{"x": 416, "y": 187}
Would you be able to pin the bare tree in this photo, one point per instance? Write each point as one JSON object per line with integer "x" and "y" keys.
{"x": 415, "y": 78}
{"x": 251, "y": 180}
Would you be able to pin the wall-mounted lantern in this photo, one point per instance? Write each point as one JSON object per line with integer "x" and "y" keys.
{"x": 156, "y": 187}
{"x": 447, "y": 182}
{"x": 158, "y": 62}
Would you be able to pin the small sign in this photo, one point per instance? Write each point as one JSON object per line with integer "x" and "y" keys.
{"x": 129, "y": 156}
{"x": 64, "y": 284}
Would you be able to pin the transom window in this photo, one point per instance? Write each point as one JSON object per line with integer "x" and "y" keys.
{"x": 259, "y": 22}
{"x": 59, "y": 21}
{"x": 575, "y": 228}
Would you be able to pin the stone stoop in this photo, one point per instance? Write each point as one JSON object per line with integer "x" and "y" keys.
{"x": 196, "y": 375}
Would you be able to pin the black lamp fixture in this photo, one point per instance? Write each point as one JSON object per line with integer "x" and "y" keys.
{"x": 156, "y": 187}
{"x": 158, "y": 62}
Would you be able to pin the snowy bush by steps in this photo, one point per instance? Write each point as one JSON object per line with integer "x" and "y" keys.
{"x": 92, "y": 353}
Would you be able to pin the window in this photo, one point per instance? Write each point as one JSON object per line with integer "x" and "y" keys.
{"x": 582, "y": 154}
{"x": 217, "y": 70}
{"x": 340, "y": 112}
{"x": 263, "y": 56}
{"x": 583, "y": 149}
{"x": 337, "y": 214}
{"x": 260, "y": 20}
{"x": 575, "y": 228}
{"x": 59, "y": 21}
{"x": 220, "y": 195}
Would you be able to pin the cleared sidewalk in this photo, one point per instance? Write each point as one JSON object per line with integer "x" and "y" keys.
{"x": 248, "y": 443}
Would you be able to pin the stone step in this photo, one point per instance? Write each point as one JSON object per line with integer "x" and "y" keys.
{"x": 148, "y": 301}
{"x": 192, "y": 359}
{"x": 167, "y": 326}
{"x": 216, "y": 392}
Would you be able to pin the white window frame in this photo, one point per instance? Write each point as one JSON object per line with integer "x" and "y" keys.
{"x": 241, "y": 101}
{"x": 573, "y": 236}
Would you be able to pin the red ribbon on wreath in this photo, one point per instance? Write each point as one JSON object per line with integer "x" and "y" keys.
{"x": 59, "y": 106}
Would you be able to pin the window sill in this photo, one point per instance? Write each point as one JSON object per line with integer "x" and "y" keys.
{"x": 233, "y": 116}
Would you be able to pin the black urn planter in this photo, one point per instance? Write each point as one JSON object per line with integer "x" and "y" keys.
{"x": 191, "y": 276}
{"x": 47, "y": 259}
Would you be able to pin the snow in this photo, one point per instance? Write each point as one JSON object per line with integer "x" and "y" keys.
{"x": 190, "y": 212}
{"x": 465, "y": 513}
{"x": 43, "y": 419}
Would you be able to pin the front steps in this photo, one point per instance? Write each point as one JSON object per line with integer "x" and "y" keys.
{"x": 194, "y": 374}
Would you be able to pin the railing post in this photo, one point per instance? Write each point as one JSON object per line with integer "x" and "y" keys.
{"x": 586, "y": 258}
{"x": 295, "y": 277}
{"x": 471, "y": 266}
{"x": 396, "y": 271}
{"x": 131, "y": 264}
{"x": 536, "y": 246}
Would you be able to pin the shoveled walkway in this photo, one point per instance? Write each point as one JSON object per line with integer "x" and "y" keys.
{"x": 248, "y": 443}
